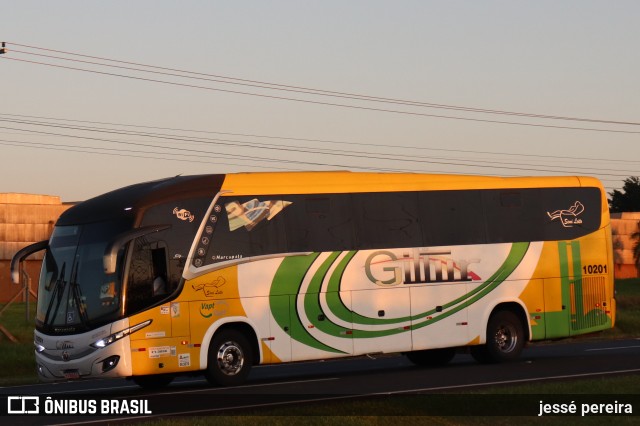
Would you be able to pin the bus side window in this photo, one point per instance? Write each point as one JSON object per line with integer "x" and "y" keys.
{"x": 513, "y": 215}
{"x": 147, "y": 281}
{"x": 452, "y": 217}
{"x": 245, "y": 228}
{"x": 159, "y": 260}
{"x": 387, "y": 220}
{"x": 321, "y": 223}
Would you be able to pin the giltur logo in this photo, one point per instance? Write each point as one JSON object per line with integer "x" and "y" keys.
{"x": 569, "y": 217}
{"x": 385, "y": 268}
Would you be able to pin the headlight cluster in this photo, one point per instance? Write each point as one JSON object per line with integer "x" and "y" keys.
{"x": 106, "y": 341}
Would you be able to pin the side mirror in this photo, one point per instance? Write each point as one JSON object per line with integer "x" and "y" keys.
{"x": 111, "y": 252}
{"x": 21, "y": 255}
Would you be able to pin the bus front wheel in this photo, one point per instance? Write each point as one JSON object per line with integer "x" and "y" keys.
{"x": 230, "y": 358}
{"x": 505, "y": 339}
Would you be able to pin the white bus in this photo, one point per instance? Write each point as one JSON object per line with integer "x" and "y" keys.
{"x": 214, "y": 274}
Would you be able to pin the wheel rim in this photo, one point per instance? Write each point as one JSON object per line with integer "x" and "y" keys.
{"x": 506, "y": 338}
{"x": 230, "y": 358}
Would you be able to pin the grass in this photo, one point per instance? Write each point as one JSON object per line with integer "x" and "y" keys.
{"x": 628, "y": 310}
{"x": 18, "y": 360}
{"x": 347, "y": 412}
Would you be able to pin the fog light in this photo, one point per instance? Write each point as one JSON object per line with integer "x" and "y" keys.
{"x": 110, "y": 363}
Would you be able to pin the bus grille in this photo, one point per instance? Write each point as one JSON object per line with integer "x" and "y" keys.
{"x": 588, "y": 302}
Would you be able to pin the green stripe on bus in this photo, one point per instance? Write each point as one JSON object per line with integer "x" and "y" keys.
{"x": 514, "y": 258}
{"x": 287, "y": 281}
{"x": 313, "y": 308}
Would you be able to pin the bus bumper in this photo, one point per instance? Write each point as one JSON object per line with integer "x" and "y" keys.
{"x": 73, "y": 357}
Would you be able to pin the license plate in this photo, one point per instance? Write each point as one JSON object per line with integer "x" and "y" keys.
{"x": 71, "y": 374}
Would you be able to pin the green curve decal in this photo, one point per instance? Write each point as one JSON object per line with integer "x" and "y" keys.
{"x": 289, "y": 279}
{"x": 338, "y": 308}
{"x": 515, "y": 256}
{"x": 312, "y": 307}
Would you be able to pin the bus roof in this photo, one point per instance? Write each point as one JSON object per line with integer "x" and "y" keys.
{"x": 344, "y": 181}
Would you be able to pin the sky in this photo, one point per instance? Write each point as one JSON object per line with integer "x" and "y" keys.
{"x": 137, "y": 91}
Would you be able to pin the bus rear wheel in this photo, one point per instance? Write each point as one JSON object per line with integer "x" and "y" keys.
{"x": 432, "y": 357}
{"x": 230, "y": 359}
{"x": 505, "y": 339}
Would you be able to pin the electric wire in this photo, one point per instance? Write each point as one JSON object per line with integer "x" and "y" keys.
{"x": 281, "y": 160}
{"x": 323, "y": 141}
{"x": 289, "y": 148}
{"x": 315, "y": 102}
{"x": 297, "y": 89}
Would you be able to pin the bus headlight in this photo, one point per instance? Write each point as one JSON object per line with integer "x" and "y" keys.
{"x": 106, "y": 341}
{"x": 39, "y": 347}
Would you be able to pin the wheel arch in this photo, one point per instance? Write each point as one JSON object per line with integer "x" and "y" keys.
{"x": 516, "y": 307}
{"x": 241, "y": 324}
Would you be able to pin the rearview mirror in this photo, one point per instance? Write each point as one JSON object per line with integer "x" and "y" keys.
{"x": 21, "y": 255}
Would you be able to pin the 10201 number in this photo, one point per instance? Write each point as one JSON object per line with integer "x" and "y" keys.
{"x": 594, "y": 269}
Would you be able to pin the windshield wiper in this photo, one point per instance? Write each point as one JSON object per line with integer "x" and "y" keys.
{"x": 76, "y": 293}
{"x": 58, "y": 290}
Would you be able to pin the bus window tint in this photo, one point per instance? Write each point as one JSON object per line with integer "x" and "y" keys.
{"x": 320, "y": 223}
{"x": 249, "y": 227}
{"x": 507, "y": 212}
{"x": 148, "y": 281}
{"x": 387, "y": 220}
{"x": 452, "y": 218}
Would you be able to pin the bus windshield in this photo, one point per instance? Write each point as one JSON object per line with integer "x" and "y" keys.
{"x": 74, "y": 294}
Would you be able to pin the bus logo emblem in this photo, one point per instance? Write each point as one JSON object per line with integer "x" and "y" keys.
{"x": 183, "y": 214}
{"x": 568, "y": 217}
{"x": 210, "y": 289}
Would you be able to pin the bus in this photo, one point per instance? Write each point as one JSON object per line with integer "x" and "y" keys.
{"x": 214, "y": 274}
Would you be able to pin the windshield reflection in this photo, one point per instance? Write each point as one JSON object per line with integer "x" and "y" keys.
{"x": 74, "y": 294}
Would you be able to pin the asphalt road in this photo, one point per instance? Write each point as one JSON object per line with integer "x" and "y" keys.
{"x": 299, "y": 385}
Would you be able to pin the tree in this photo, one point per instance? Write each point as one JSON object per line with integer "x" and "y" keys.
{"x": 629, "y": 199}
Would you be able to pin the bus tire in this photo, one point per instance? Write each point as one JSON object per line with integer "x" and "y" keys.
{"x": 505, "y": 339}
{"x": 230, "y": 358}
{"x": 432, "y": 357}
{"x": 153, "y": 381}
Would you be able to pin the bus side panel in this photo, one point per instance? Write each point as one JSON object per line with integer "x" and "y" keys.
{"x": 533, "y": 299}
{"x": 506, "y": 285}
{"x": 452, "y": 330}
{"x": 577, "y": 285}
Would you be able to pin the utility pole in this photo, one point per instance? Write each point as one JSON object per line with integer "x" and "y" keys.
{"x": 3, "y": 48}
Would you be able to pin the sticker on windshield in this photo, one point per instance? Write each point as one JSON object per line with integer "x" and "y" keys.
{"x": 107, "y": 293}
{"x": 251, "y": 213}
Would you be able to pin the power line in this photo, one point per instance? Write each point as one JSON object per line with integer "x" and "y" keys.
{"x": 369, "y": 157}
{"x": 297, "y": 89}
{"x": 286, "y": 148}
{"x": 130, "y": 154}
{"x": 277, "y": 146}
{"x": 356, "y": 107}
